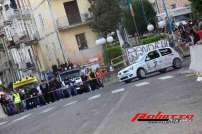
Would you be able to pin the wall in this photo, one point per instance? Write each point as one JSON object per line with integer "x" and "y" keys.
{"x": 45, "y": 26}
{"x": 49, "y": 49}
{"x": 70, "y": 45}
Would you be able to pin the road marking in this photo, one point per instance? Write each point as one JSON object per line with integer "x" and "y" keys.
{"x": 118, "y": 91}
{"x": 165, "y": 77}
{"x": 141, "y": 84}
{"x": 105, "y": 121}
{"x": 95, "y": 97}
{"x": 21, "y": 118}
{"x": 2, "y": 123}
{"x": 47, "y": 110}
{"x": 71, "y": 103}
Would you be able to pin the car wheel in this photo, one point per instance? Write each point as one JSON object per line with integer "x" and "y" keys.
{"x": 141, "y": 73}
{"x": 177, "y": 63}
{"x": 163, "y": 70}
{"x": 128, "y": 81}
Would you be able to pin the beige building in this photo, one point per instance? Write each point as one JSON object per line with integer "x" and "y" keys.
{"x": 171, "y": 4}
{"x": 64, "y": 32}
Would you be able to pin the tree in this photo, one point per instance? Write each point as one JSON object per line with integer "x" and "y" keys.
{"x": 106, "y": 16}
{"x": 144, "y": 14}
{"x": 196, "y": 7}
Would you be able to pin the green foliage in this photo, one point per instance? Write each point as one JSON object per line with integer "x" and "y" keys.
{"x": 106, "y": 16}
{"x": 150, "y": 39}
{"x": 139, "y": 17}
{"x": 196, "y": 7}
{"x": 111, "y": 52}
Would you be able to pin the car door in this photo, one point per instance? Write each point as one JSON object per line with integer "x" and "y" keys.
{"x": 166, "y": 57}
{"x": 152, "y": 61}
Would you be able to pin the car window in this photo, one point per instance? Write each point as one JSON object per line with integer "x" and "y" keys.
{"x": 152, "y": 55}
{"x": 165, "y": 51}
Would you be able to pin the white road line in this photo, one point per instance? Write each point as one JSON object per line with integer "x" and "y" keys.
{"x": 2, "y": 123}
{"x": 21, "y": 118}
{"x": 141, "y": 84}
{"x": 46, "y": 110}
{"x": 109, "y": 116}
{"x": 95, "y": 97}
{"x": 165, "y": 77}
{"x": 118, "y": 91}
{"x": 71, "y": 103}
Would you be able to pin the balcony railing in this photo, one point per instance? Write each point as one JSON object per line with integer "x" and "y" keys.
{"x": 27, "y": 39}
{"x": 63, "y": 22}
{"x": 23, "y": 14}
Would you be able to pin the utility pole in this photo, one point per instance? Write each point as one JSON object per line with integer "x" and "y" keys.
{"x": 169, "y": 17}
{"x": 56, "y": 30}
{"x": 133, "y": 16}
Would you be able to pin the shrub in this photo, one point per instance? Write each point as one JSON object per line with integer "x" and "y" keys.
{"x": 111, "y": 52}
{"x": 150, "y": 39}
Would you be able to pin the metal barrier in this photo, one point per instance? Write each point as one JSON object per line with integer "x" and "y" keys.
{"x": 196, "y": 64}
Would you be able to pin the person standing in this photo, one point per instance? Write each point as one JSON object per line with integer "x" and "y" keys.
{"x": 92, "y": 79}
{"x": 17, "y": 101}
{"x": 99, "y": 76}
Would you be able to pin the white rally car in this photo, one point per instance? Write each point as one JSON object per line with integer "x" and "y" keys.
{"x": 156, "y": 60}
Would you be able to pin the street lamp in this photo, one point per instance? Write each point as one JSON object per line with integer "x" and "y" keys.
{"x": 150, "y": 27}
{"x": 110, "y": 39}
{"x": 103, "y": 41}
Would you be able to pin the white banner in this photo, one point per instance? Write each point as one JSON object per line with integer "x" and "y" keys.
{"x": 135, "y": 52}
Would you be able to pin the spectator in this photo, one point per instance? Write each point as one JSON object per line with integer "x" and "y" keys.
{"x": 45, "y": 90}
{"x": 17, "y": 101}
{"x": 99, "y": 76}
{"x": 194, "y": 37}
{"x": 92, "y": 79}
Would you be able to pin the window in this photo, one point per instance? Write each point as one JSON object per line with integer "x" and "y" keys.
{"x": 72, "y": 12}
{"x": 165, "y": 51}
{"x": 173, "y": 6}
{"x": 81, "y": 41}
{"x": 152, "y": 55}
{"x": 41, "y": 20}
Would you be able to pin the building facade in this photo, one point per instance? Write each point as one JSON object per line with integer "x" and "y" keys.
{"x": 18, "y": 36}
{"x": 64, "y": 31}
{"x": 171, "y": 4}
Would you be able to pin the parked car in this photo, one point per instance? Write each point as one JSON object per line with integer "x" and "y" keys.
{"x": 156, "y": 60}
{"x": 74, "y": 75}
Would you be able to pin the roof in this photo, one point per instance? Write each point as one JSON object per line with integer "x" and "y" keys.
{"x": 25, "y": 81}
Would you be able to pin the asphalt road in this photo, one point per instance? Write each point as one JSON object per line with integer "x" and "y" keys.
{"x": 109, "y": 110}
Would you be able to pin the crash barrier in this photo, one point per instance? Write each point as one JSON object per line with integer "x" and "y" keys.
{"x": 40, "y": 99}
{"x": 196, "y": 55}
{"x": 110, "y": 77}
{"x": 118, "y": 62}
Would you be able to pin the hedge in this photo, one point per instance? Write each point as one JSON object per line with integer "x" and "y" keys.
{"x": 150, "y": 39}
{"x": 111, "y": 52}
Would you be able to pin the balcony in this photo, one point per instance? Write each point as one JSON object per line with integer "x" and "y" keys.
{"x": 24, "y": 14}
{"x": 64, "y": 24}
{"x": 27, "y": 39}
{"x": 4, "y": 63}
